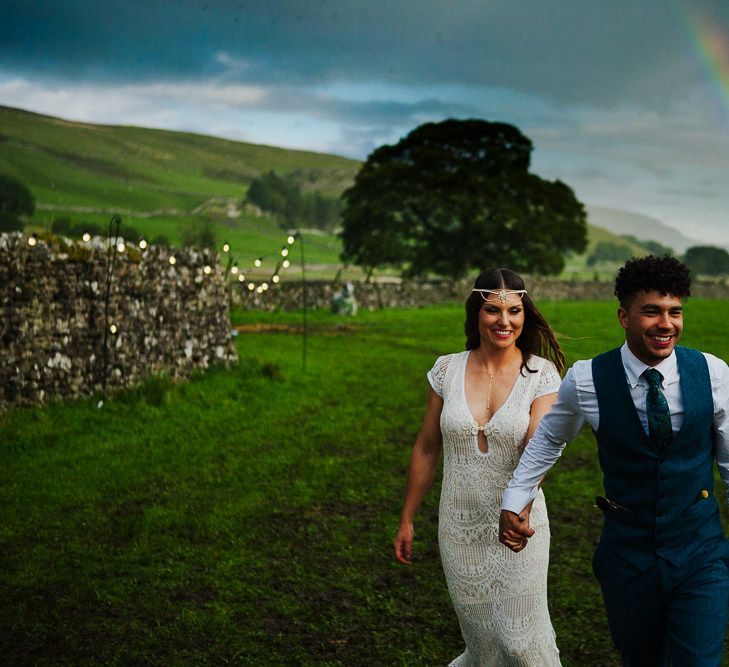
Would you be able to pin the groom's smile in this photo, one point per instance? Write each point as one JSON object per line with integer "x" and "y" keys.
{"x": 653, "y": 323}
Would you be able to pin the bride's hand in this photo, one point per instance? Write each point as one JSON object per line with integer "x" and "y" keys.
{"x": 403, "y": 544}
{"x": 514, "y": 530}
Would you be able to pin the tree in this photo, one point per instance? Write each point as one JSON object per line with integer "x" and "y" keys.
{"x": 707, "y": 259}
{"x": 282, "y": 197}
{"x": 458, "y": 195}
{"x": 608, "y": 251}
{"x": 653, "y": 247}
{"x": 15, "y": 201}
{"x": 9, "y": 223}
{"x": 271, "y": 193}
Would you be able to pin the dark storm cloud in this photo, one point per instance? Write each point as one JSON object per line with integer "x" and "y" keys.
{"x": 369, "y": 112}
{"x": 571, "y": 51}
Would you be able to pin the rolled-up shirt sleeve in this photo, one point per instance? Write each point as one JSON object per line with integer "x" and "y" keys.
{"x": 558, "y": 427}
{"x": 719, "y": 373}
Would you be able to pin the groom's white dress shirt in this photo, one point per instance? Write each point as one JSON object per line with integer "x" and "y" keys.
{"x": 577, "y": 405}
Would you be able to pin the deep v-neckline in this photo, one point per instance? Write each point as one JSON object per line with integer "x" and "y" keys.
{"x": 465, "y": 397}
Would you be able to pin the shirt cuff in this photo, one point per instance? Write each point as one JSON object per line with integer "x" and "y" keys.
{"x": 515, "y": 500}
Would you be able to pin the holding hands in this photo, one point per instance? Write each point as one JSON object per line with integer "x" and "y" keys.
{"x": 514, "y": 530}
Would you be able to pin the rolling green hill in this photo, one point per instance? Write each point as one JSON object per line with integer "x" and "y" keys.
{"x": 161, "y": 181}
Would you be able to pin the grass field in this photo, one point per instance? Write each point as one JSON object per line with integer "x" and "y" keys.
{"x": 246, "y": 516}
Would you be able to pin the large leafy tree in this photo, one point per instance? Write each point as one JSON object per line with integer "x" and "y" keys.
{"x": 458, "y": 195}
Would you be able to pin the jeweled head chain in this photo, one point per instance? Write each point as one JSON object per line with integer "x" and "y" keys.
{"x": 503, "y": 295}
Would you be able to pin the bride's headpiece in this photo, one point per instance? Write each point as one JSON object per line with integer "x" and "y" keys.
{"x": 503, "y": 295}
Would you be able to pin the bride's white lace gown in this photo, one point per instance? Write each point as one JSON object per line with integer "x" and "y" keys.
{"x": 500, "y": 597}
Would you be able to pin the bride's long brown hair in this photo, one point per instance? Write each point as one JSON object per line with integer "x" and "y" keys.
{"x": 536, "y": 337}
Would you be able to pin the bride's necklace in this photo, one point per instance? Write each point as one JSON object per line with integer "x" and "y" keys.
{"x": 491, "y": 379}
{"x": 488, "y": 391}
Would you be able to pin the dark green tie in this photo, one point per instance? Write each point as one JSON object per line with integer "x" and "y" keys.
{"x": 659, "y": 416}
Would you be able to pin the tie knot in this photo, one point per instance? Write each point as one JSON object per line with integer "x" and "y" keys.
{"x": 653, "y": 377}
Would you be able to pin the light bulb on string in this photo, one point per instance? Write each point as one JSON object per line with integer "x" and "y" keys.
{"x": 226, "y": 247}
{"x": 207, "y": 270}
{"x": 86, "y": 237}
{"x": 259, "y": 289}
{"x": 258, "y": 261}
{"x": 290, "y": 239}
{"x": 241, "y": 278}
{"x": 276, "y": 278}
{"x": 264, "y": 286}
{"x": 120, "y": 246}
{"x": 172, "y": 260}
{"x": 32, "y": 240}
{"x": 113, "y": 328}
{"x": 286, "y": 264}
{"x": 143, "y": 243}
{"x": 234, "y": 268}
{"x": 284, "y": 251}
{"x": 251, "y": 286}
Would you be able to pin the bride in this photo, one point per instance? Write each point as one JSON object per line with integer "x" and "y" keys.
{"x": 484, "y": 404}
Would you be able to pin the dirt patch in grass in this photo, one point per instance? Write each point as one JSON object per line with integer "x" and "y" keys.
{"x": 263, "y": 327}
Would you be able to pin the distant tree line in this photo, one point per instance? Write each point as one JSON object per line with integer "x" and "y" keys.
{"x": 707, "y": 260}
{"x": 702, "y": 260}
{"x": 282, "y": 197}
{"x": 16, "y": 201}
{"x": 448, "y": 197}
{"x": 66, "y": 227}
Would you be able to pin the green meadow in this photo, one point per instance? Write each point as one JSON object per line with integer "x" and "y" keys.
{"x": 245, "y": 517}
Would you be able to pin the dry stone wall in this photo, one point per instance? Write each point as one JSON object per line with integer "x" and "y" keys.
{"x": 166, "y": 318}
{"x": 411, "y": 294}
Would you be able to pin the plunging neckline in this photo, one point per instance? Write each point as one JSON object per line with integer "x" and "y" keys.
{"x": 465, "y": 397}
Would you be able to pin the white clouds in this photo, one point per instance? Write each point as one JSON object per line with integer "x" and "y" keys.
{"x": 199, "y": 93}
{"x": 233, "y": 64}
{"x": 163, "y": 104}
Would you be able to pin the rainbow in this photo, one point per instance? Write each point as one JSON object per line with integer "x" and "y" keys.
{"x": 711, "y": 44}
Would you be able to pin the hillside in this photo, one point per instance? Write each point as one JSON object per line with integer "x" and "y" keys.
{"x": 643, "y": 227}
{"x": 143, "y": 169}
{"x": 158, "y": 180}
{"x": 162, "y": 182}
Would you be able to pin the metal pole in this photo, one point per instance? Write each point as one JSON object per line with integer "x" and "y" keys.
{"x": 110, "y": 262}
{"x": 303, "y": 296}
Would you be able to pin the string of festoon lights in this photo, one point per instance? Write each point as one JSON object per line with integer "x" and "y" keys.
{"x": 116, "y": 242}
{"x": 282, "y": 262}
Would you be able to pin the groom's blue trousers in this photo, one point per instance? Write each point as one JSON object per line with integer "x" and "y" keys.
{"x": 667, "y": 614}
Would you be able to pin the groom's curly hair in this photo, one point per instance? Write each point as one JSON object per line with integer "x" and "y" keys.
{"x": 664, "y": 274}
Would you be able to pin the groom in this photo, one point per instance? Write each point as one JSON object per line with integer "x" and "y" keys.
{"x": 660, "y": 417}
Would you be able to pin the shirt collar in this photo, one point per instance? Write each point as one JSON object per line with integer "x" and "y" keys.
{"x": 634, "y": 367}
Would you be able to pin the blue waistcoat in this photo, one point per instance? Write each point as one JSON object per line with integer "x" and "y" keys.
{"x": 667, "y": 511}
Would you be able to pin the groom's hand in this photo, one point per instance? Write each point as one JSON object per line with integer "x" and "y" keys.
{"x": 514, "y": 530}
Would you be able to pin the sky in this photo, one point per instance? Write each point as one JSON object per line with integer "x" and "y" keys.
{"x": 625, "y": 101}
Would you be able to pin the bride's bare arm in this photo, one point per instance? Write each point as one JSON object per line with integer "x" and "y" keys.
{"x": 423, "y": 464}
